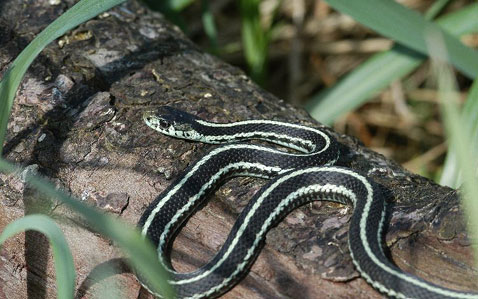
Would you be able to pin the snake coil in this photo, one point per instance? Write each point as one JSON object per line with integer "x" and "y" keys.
{"x": 296, "y": 178}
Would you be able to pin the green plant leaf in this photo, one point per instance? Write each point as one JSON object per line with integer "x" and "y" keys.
{"x": 209, "y": 26}
{"x": 451, "y": 175}
{"x": 177, "y": 5}
{"x": 64, "y": 267}
{"x": 409, "y": 28}
{"x": 79, "y": 13}
{"x": 435, "y": 9}
{"x": 380, "y": 70}
{"x": 140, "y": 251}
{"x": 458, "y": 131}
{"x": 255, "y": 39}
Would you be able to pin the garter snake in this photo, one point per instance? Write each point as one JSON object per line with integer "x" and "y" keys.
{"x": 295, "y": 179}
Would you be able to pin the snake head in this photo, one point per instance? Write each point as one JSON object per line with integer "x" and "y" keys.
{"x": 172, "y": 122}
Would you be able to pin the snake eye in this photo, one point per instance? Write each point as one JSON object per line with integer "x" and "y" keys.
{"x": 164, "y": 124}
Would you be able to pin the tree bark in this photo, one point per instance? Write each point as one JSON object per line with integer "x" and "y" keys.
{"x": 77, "y": 120}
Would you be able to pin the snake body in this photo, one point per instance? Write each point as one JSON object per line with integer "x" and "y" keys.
{"x": 296, "y": 178}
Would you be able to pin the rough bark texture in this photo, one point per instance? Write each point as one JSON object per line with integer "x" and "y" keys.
{"x": 77, "y": 120}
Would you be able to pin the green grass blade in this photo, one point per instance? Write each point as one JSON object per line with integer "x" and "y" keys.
{"x": 380, "y": 70}
{"x": 79, "y": 13}
{"x": 435, "y": 9}
{"x": 168, "y": 6}
{"x": 451, "y": 175}
{"x": 177, "y": 5}
{"x": 105, "y": 276}
{"x": 366, "y": 80}
{"x": 255, "y": 39}
{"x": 458, "y": 132}
{"x": 209, "y": 26}
{"x": 140, "y": 252}
{"x": 460, "y": 22}
{"x": 408, "y": 28}
{"x": 64, "y": 267}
